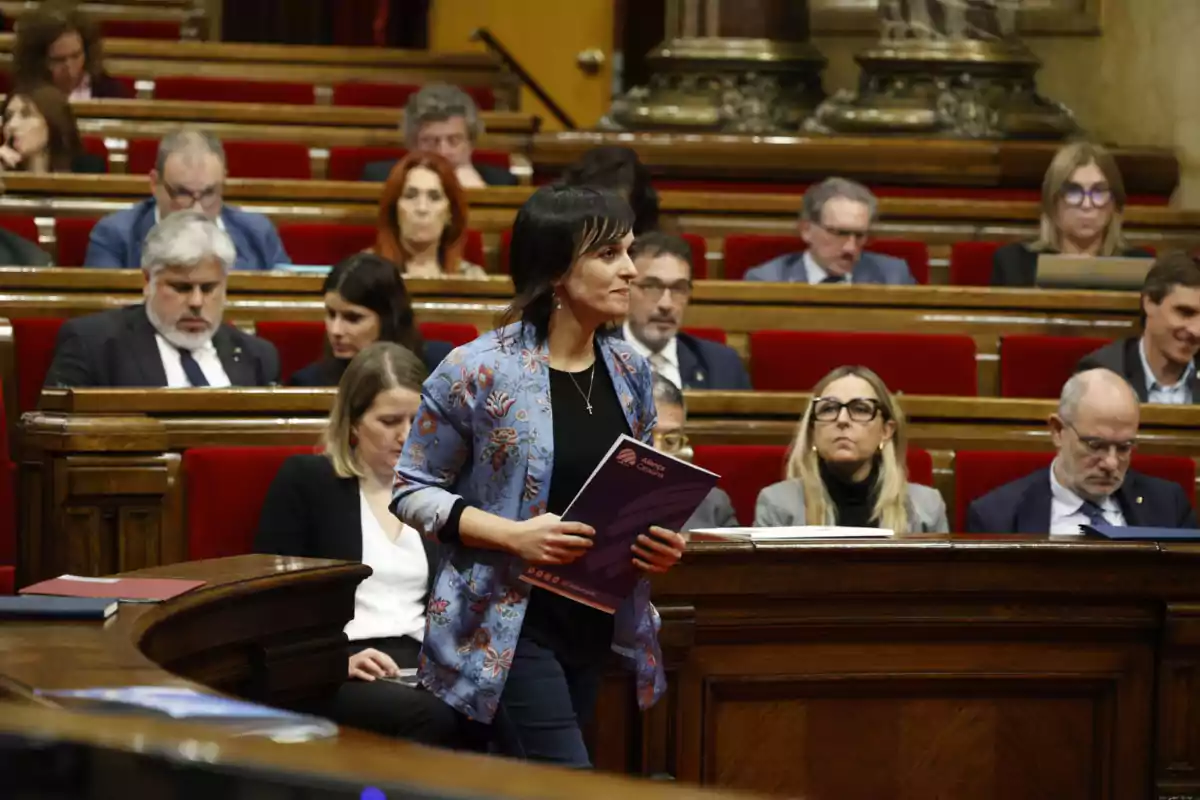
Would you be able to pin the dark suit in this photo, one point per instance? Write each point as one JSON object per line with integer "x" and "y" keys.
{"x": 1023, "y": 506}
{"x": 328, "y": 371}
{"x": 108, "y": 86}
{"x": 1122, "y": 357}
{"x": 378, "y": 171}
{"x": 118, "y": 348}
{"x": 1016, "y": 265}
{"x": 310, "y": 512}
{"x": 17, "y": 251}
{"x": 705, "y": 364}
{"x": 870, "y": 268}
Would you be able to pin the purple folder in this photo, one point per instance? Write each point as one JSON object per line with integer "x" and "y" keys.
{"x": 632, "y": 488}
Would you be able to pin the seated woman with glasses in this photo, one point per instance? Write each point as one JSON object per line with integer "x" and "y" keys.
{"x": 1083, "y": 198}
{"x": 423, "y": 219}
{"x": 41, "y": 136}
{"x": 365, "y": 302}
{"x": 846, "y": 465}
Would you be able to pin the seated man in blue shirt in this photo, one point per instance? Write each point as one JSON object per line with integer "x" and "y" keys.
{"x": 1161, "y": 363}
{"x": 189, "y": 173}
{"x": 657, "y": 302}
{"x": 835, "y": 221}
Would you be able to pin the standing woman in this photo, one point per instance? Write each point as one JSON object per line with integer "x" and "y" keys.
{"x": 509, "y": 429}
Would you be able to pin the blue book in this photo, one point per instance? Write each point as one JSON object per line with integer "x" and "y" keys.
{"x": 632, "y": 488}
{"x": 32, "y": 606}
{"x": 1119, "y": 532}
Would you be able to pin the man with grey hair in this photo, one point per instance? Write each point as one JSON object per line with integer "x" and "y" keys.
{"x": 443, "y": 119}
{"x": 188, "y": 174}
{"x": 835, "y": 221}
{"x": 175, "y": 338}
{"x": 1089, "y": 482}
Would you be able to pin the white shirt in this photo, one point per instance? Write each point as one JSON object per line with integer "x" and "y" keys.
{"x": 817, "y": 274}
{"x": 665, "y": 362}
{"x": 1177, "y": 394}
{"x": 390, "y": 603}
{"x": 206, "y": 357}
{"x": 1065, "y": 508}
{"x": 83, "y": 91}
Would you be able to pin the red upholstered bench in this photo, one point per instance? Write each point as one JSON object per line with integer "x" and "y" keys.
{"x": 163, "y": 29}
{"x": 746, "y": 251}
{"x": 456, "y": 333}
{"x": 33, "y": 343}
{"x": 324, "y": 243}
{"x": 971, "y": 263}
{"x": 96, "y": 146}
{"x": 8, "y": 580}
{"x": 395, "y": 95}
{"x": 696, "y": 242}
{"x": 1038, "y": 366}
{"x": 73, "y": 234}
{"x": 347, "y": 163}
{"x": 233, "y": 90}
{"x": 21, "y": 225}
{"x": 225, "y": 488}
{"x": 914, "y": 363}
{"x": 243, "y": 159}
{"x": 717, "y": 335}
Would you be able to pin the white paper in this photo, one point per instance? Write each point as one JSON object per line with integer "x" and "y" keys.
{"x": 82, "y": 579}
{"x": 799, "y": 533}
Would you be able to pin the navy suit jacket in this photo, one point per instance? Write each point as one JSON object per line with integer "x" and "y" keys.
{"x": 378, "y": 171}
{"x": 871, "y": 268}
{"x": 1023, "y": 506}
{"x": 116, "y": 241}
{"x": 704, "y": 364}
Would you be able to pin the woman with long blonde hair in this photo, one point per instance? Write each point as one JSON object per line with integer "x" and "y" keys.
{"x": 846, "y": 465}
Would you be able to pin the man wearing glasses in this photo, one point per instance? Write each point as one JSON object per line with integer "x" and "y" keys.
{"x": 189, "y": 174}
{"x": 657, "y": 303}
{"x": 1089, "y": 482}
{"x": 835, "y": 222}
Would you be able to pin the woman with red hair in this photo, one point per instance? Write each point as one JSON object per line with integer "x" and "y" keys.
{"x": 423, "y": 219}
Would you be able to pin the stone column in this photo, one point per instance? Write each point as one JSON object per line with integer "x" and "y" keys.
{"x": 946, "y": 68}
{"x": 727, "y": 66}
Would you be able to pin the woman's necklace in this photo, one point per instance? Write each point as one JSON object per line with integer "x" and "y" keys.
{"x": 587, "y": 398}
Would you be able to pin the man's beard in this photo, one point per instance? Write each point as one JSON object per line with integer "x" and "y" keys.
{"x": 181, "y": 339}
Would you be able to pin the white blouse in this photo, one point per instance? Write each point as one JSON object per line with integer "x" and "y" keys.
{"x": 390, "y": 602}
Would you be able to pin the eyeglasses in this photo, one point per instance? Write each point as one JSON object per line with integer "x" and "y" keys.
{"x": 671, "y": 441}
{"x": 845, "y": 233}
{"x": 860, "y": 409}
{"x": 654, "y": 288}
{"x": 1074, "y": 195}
{"x": 1098, "y": 447}
{"x": 205, "y": 198}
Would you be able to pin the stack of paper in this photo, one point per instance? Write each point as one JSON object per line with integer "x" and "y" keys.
{"x": 798, "y": 533}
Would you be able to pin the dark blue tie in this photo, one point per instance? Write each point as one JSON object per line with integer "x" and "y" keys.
{"x": 834, "y": 279}
{"x": 191, "y": 369}
{"x": 1093, "y": 512}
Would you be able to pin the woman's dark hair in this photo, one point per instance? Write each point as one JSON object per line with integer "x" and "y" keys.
{"x": 555, "y": 226}
{"x": 41, "y": 27}
{"x": 618, "y": 168}
{"x": 373, "y": 282}
{"x": 62, "y": 134}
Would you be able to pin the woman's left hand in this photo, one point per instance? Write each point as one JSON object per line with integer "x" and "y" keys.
{"x": 658, "y": 551}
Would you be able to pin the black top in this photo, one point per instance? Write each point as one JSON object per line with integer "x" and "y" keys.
{"x": 328, "y": 371}
{"x": 854, "y": 501}
{"x": 578, "y": 634}
{"x": 1016, "y": 265}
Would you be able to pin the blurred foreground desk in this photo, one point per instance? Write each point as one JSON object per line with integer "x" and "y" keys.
{"x": 265, "y": 628}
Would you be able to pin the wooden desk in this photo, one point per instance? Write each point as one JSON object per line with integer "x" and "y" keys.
{"x": 100, "y": 482}
{"x": 269, "y": 629}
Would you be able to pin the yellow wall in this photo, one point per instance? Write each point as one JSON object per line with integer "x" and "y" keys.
{"x": 544, "y": 36}
{"x": 1137, "y": 84}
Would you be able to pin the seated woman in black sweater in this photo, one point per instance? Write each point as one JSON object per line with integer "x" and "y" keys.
{"x": 1083, "y": 198}
{"x": 335, "y": 505}
{"x": 365, "y": 302}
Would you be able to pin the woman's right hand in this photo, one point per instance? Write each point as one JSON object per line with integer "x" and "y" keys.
{"x": 9, "y": 158}
{"x": 369, "y": 664}
{"x": 546, "y": 539}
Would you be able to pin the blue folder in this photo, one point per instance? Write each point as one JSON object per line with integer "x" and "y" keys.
{"x": 1119, "y": 532}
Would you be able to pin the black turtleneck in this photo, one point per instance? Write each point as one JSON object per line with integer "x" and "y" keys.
{"x": 854, "y": 501}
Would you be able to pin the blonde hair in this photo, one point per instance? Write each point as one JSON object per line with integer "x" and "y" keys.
{"x": 1069, "y": 158}
{"x": 377, "y": 368}
{"x": 891, "y": 497}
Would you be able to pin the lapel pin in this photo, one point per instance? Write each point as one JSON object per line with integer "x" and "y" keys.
{"x": 699, "y": 376}
{"x": 237, "y": 354}
{"x": 1139, "y": 501}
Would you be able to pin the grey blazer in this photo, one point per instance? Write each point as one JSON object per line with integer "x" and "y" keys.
{"x": 716, "y": 511}
{"x": 871, "y": 268}
{"x": 782, "y": 504}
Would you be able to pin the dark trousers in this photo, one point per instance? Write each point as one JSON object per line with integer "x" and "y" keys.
{"x": 393, "y": 709}
{"x": 544, "y": 705}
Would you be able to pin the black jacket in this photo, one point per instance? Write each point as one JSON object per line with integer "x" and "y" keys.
{"x": 117, "y": 349}
{"x": 378, "y": 171}
{"x": 1122, "y": 357}
{"x": 312, "y": 513}
{"x": 1016, "y": 265}
{"x": 328, "y": 371}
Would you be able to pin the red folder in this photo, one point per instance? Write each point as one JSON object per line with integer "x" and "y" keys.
{"x": 129, "y": 590}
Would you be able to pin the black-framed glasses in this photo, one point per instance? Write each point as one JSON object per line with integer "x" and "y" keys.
{"x": 654, "y": 288}
{"x": 859, "y": 409}
{"x": 1099, "y": 447}
{"x": 1075, "y": 195}
{"x": 204, "y": 198}
{"x": 845, "y": 233}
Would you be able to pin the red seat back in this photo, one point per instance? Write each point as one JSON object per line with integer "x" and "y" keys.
{"x": 299, "y": 342}
{"x": 33, "y": 342}
{"x": 225, "y": 488}
{"x": 140, "y": 156}
{"x": 8, "y": 512}
{"x": 456, "y": 333}
{"x": 94, "y": 145}
{"x": 744, "y": 251}
{"x": 712, "y": 334}
{"x": 1038, "y": 366}
{"x": 281, "y": 160}
{"x": 324, "y": 243}
{"x": 1176, "y": 469}
{"x": 72, "y": 234}
{"x": 977, "y": 472}
{"x": 971, "y": 263}
{"x": 347, "y": 163}
{"x": 915, "y": 254}
{"x": 919, "y": 464}
{"x": 699, "y": 255}
{"x": 473, "y": 247}
{"x": 395, "y": 95}
{"x": 8, "y": 580}
{"x": 23, "y": 226}
{"x": 914, "y": 363}
{"x": 232, "y": 90}
{"x": 163, "y": 29}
